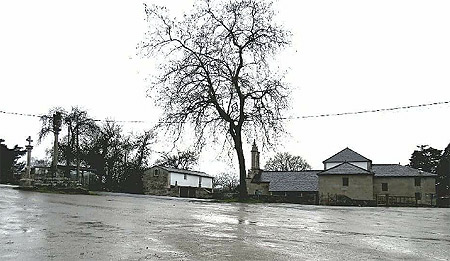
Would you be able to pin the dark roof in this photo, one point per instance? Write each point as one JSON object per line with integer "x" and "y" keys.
{"x": 185, "y": 171}
{"x": 346, "y": 155}
{"x": 345, "y": 169}
{"x": 397, "y": 170}
{"x": 291, "y": 180}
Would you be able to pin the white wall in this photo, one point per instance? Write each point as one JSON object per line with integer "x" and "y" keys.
{"x": 207, "y": 182}
{"x": 363, "y": 165}
{"x": 190, "y": 181}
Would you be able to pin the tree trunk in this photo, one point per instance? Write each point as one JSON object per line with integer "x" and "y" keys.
{"x": 68, "y": 151}
{"x": 78, "y": 151}
{"x": 242, "y": 171}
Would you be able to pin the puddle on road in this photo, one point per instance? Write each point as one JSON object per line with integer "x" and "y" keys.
{"x": 217, "y": 219}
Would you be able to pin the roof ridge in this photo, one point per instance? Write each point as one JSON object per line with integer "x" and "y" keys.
{"x": 308, "y": 170}
{"x": 342, "y": 151}
{"x": 343, "y": 163}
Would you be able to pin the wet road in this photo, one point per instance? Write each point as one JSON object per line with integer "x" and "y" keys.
{"x": 38, "y": 226}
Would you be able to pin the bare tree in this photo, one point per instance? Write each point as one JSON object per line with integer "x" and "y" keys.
{"x": 182, "y": 160}
{"x": 286, "y": 162}
{"x": 226, "y": 182}
{"x": 215, "y": 74}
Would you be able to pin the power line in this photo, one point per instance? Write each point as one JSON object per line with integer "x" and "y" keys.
{"x": 44, "y": 116}
{"x": 281, "y": 118}
{"x": 366, "y": 111}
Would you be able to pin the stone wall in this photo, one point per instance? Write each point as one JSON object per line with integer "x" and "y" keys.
{"x": 360, "y": 187}
{"x": 156, "y": 183}
{"x": 405, "y": 187}
{"x": 263, "y": 188}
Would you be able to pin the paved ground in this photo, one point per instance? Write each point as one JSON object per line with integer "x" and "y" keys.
{"x": 38, "y": 226}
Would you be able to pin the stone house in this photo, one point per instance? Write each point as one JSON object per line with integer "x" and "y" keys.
{"x": 350, "y": 175}
{"x": 165, "y": 181}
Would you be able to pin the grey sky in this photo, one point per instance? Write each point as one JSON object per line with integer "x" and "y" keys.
{"x": 346, "y": 56}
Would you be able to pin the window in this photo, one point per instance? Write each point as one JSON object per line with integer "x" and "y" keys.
{"x": 199, "y": 182}
{"x": 185, "y": 176}
{"x": 345, "y": 182}
{"x": 418, "y": 196}
{"x": 384, "y": 186}
{"x": 417, "y": 182}
{"x": 156, "y": 173}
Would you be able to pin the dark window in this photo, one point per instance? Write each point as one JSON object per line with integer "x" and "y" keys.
{"x": 345, "y": 182}
{"x": 418, "y": 196}
{"x": 384, "y": 186}
{"x": 417, "y": 182}
{"x": 156, "y": 173}
{"x": 185, "y": 176}
{"x": 199, "y": 182}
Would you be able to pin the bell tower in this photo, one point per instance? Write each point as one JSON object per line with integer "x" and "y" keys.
{"x": 254, "y": 167}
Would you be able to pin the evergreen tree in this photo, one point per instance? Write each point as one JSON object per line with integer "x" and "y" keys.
{"x": 9, "y": 164}
{"x": 443, "y": 171}
{"x": 426, "y": 158}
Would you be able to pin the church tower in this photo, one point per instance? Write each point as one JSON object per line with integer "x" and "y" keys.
{"x": 254, "y": 167}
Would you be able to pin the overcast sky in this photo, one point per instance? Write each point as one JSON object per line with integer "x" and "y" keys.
{"x": 346, "y": 56}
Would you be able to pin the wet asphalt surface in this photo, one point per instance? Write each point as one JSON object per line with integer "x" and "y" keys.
{"x": 39, "y": 226}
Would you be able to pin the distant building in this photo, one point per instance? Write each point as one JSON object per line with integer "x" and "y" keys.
{"x": 346, "y": 175}
{"x": 165, "y": 181}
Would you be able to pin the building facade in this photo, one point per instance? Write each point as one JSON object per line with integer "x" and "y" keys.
{"x": 165, "y": 181}
{"x": 347, "y": 175}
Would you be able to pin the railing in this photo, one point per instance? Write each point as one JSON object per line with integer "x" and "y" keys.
{"x": 399, "y": 201}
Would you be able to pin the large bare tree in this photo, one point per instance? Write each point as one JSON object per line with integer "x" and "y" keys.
{"x": 284, "y": 161}
{"x": 216, "y": 73}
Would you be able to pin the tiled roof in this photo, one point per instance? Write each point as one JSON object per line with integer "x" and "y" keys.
{"x": 291, "y": 180}
{"x": 344, "y": 169}
{"x": 346, "y": 155}
{"x": 185, "y": 171}
{"x": 396, "y": 170}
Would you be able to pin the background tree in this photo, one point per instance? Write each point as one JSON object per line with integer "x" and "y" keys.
{"x": 119, "y": 159}
{"x": 426, "y": 158}
{"x": 443, "y": 171}
{"x": 182, "y": 160}
{"x": 286, "y": 162}
{"x": 80, "y": 130}
{"x": 9, "y": 165}
{"x": 136, "y": 162}
{"x": 226, "y": 182}
{"x": 215, "y": 71}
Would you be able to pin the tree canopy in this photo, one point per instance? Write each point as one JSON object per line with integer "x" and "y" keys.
{"x": 284, "y": 161}
{"x": 216, "y": 73}
{"x": 9, "y": 164}
{"x": 443, "y": 171}
{"x": 226, "y": 182}
{"x": 186, "y": 159}
{"x": 118, "y": 158}
{"x": 425, "y": 158}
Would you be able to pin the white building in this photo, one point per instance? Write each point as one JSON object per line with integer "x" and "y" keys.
{"x": 160, "y": 180}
